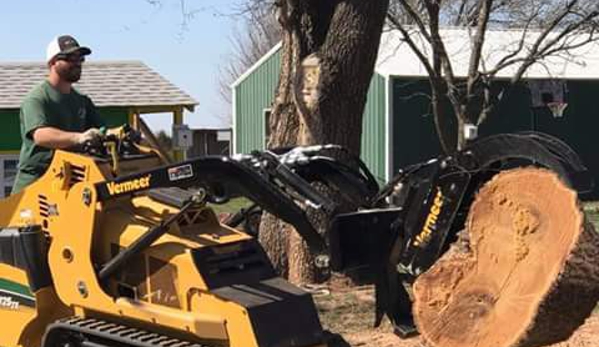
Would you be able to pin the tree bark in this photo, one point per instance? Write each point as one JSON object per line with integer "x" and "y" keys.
{"x": 328, "y": 56}
{"x": 528, "y": 274}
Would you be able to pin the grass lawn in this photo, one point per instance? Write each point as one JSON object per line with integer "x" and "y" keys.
{"x": 232, "y": 206}
{"x": 591, "y": 209}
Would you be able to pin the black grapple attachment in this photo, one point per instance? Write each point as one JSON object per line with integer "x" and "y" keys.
{"x": 419, "y": 213}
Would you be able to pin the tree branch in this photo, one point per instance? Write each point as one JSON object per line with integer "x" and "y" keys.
{"x": 407, "y": 38}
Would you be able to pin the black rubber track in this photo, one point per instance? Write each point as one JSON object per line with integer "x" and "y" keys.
{"x": 90, "y": 332}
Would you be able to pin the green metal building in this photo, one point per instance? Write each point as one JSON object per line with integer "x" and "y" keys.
{"x": 398, "y": 127}
{"x": 121, "y": 90}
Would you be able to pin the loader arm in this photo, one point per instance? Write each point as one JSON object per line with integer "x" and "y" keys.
{"x": 349, "y": 181}
{"x": 221, "y": 177}
{"x": 350, "y": 177}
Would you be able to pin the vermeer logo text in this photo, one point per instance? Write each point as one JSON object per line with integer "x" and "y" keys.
{"x": 128, "y": 186}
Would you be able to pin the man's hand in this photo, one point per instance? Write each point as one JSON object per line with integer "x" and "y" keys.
{"x": 91, "y": 135}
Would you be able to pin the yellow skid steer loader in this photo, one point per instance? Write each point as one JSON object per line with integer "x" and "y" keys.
{"x": 110, "y": 247}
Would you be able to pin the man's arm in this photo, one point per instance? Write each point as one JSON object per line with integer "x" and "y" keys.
{"x": 51, "y": 137}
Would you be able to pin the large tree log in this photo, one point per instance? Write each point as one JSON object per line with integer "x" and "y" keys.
{"x": 528, "y": 276}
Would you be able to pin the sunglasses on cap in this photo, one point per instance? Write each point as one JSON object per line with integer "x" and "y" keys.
{"x": 71, "y": 58}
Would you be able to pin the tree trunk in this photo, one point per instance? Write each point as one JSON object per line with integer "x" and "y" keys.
{"x": 529, "y": 273}
{"x": 328, "y": 56}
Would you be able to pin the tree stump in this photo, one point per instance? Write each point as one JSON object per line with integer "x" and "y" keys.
{"x": 528, "y": 276}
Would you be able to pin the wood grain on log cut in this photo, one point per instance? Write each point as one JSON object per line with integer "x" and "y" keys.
{"x": 529, "y": 277}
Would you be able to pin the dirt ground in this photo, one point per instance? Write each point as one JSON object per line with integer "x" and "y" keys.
{"x": 350, "y": 313}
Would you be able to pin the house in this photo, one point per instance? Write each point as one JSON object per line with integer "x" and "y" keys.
{"x": 122, "y": 91}
{"x": 398, "y": 127}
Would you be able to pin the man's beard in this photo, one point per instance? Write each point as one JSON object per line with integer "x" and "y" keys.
{"x": 70, "y": 74}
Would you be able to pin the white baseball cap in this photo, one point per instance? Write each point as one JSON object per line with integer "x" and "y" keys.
{"x": 64, "y": 45}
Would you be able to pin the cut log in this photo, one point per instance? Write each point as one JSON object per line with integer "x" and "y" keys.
{"x": 529, "y": 275}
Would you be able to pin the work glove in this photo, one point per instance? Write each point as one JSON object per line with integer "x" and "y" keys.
{"x": 115, "y": 132}
{"x": 93, "y": 135}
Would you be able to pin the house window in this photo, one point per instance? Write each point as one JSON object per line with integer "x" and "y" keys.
{"x": 8, "y": 172}
{"x": 266, "y": 113}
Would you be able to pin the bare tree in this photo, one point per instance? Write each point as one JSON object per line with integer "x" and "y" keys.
{"x": 257, "y": 33}
{"x": 327, "y": 61}
{"x": 546, "y": 29}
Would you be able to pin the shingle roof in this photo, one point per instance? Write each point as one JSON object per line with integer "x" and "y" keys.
{"x": 116, "y": 83}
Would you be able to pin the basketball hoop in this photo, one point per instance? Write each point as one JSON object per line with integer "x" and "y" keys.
{"x": 557, "y": 108}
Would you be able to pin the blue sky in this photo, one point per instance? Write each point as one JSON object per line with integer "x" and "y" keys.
{"x": 133, "y": 30}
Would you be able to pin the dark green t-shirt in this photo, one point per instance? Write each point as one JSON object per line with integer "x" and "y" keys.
{"x": 45, "y": 106}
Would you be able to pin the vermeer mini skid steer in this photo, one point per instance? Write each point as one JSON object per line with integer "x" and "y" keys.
{"x": 112, "y": 248}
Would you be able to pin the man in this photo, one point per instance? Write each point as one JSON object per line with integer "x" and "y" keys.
{"x": 54, "y": 115}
